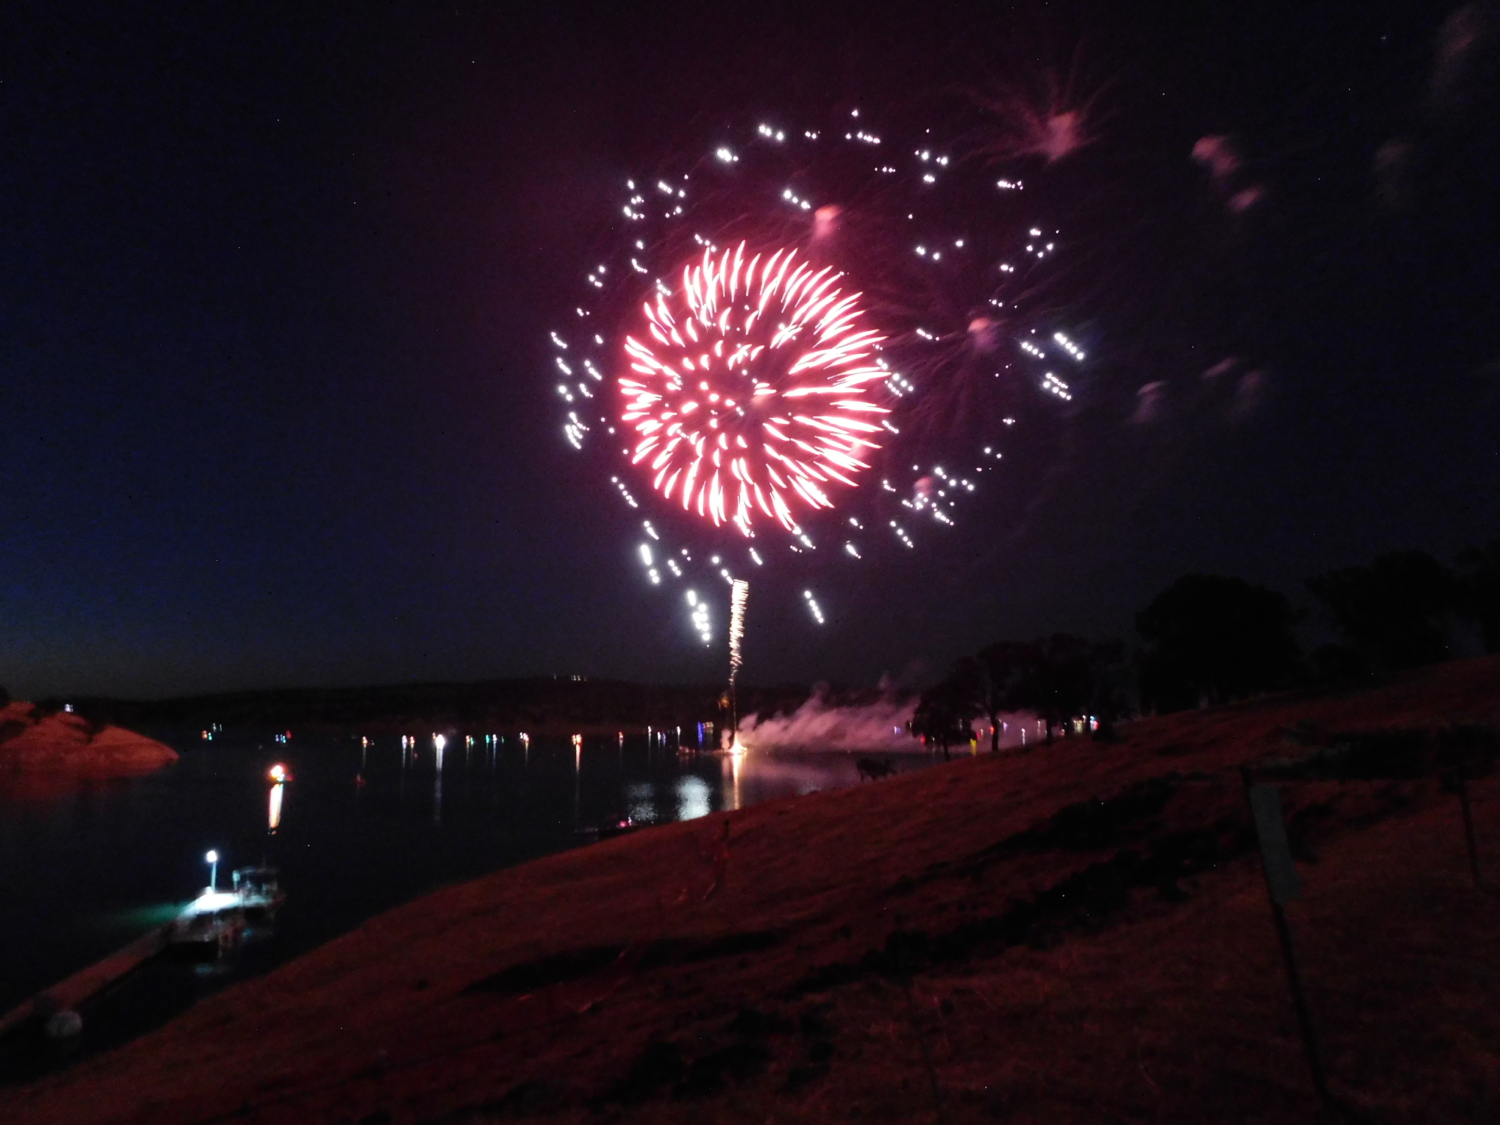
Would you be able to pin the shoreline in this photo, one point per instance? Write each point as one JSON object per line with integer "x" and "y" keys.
{"x": 1006, "y": 931}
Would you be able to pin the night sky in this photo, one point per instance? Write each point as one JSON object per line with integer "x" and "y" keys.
{"x": 275, "y": 288}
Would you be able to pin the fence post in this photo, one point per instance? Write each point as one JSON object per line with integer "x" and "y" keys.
{"x": 1283, "y": 886}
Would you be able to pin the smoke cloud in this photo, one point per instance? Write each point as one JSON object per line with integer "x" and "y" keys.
{"x": 878, "y": 727}
{"x": 816, "y": 725}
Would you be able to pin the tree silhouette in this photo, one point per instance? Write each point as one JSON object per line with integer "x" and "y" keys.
{"x": 1064, "y": 682}
{"x": 944, "y": 711}
{"x": 1479, "y": 590}
{"x": 1334, "y": 663}
{"x": 1058, "y": 677}
{"x": 1215, "y": 638}
{"x": 1110, "y": 689}
{"x": 1003, "y": 677}
{"x": 1394, "y": 611}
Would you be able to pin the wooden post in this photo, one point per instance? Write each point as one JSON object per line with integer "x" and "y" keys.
{"x": 1283, "y": 886}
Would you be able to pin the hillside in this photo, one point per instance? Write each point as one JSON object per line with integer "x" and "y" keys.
{"x": 1076, "y": 934}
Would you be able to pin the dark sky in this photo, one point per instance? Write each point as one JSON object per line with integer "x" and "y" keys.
{"x": 275, "y": 288}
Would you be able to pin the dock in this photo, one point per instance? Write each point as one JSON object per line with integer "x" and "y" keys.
{"x": 88, "y": 983}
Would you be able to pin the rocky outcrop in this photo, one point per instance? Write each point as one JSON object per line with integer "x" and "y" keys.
{"x": 69, "y": 745}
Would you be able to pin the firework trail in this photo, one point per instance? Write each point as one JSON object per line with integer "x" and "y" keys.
{"x": 805, "y": 344}
{"x": 739, "y": 595}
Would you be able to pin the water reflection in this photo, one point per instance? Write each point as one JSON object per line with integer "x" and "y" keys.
{"x": 640, "y": 802}
{"x": 733, "y": 765}
{"x": 347, "y": 855}
{"x": 577, "y": 775}
{"x": 278, "y": 775}
{"x": 692, "y": 798}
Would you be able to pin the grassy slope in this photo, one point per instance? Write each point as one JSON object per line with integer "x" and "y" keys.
{"x": 669, "y": 976}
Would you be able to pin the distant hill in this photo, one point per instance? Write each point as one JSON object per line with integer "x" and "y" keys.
{"x": 542, "y": 704}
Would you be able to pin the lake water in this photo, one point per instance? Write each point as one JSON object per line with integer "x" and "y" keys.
{"x": 360, "y": 830}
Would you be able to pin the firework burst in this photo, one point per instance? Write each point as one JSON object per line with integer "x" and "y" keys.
{"x": 806, "y": 343}
{"x": 752, "y": 395}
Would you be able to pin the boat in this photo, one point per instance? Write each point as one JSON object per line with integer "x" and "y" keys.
{"x": 209, "y": 927}
{"x": 259, "y": 891}
{"x": 216, "y": 922}
{"x": 617, "y": 827}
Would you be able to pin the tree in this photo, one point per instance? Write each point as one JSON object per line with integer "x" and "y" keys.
{"x": 1003, "y": 676}
{"x": 1111, "y": 675}
{"x": 1058, "y": 677}
{"x": 1064, "y": 682}
{"x": 1394, "y": 611}
{"x": 1479, "y": 590}
{"x": 1331, "y": 664}
{"x": 944, "y": 711}
{"x": 1215, "y": 638}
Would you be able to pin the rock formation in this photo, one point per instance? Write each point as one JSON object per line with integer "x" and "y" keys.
{"x": 68, "y": 745}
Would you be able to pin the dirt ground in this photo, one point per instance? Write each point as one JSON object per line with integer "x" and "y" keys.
{"x": 1080, "y": 933}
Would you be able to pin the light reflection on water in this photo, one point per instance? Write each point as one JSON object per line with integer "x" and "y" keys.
{"x": 692, "y": 798}
{"x": 640, "y": 802}
{"x": 139, "y": 918}
{"x": 362, "y": 827}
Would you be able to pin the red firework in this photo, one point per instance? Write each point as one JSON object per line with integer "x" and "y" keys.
{"x": 753, "y": 392}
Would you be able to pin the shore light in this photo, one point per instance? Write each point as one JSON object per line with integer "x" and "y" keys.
{"x": 212, "y": 859}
